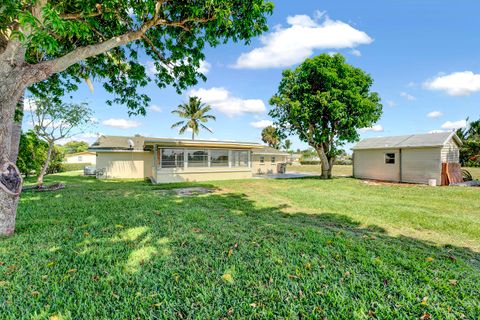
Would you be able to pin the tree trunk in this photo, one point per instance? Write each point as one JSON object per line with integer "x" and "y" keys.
{"x": 11, "y": 88}
{"x": 17, "y": 131}
{"x": 325, "y": 162}
{"x": 45, "y": 165}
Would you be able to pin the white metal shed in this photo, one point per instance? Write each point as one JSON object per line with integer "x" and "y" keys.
{"x": 413, "y": 158}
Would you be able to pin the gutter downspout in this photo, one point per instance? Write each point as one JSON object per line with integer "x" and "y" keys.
{"x": 400, "y": 165}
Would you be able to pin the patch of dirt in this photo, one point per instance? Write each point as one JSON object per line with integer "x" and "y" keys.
{"x": 389, "y": 183}
{"x": 186, "y": 192}
{"x": 52, "y": 187}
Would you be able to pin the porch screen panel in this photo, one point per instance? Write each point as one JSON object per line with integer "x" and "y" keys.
{"x": 240, "y": 158}
{"x": 197, "y": 158}
{"x": 219, "y": 158}
{"x": 172, "y": 158}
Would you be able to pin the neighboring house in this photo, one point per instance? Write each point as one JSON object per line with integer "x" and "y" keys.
{"x": 267, "y": 160}
{"x": 171, "y": 160}
{"x": 86, "y": 157}
{"x": 413, "y": 158}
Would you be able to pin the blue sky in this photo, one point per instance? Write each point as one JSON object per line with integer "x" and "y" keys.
{"x": 424, "y": 57}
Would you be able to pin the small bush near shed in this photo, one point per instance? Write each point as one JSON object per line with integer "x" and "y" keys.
{"x": 73, "y": 166}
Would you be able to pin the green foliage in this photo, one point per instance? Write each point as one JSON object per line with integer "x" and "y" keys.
{"x": 32, "y": 154}
{"x": 75, "y": 146}
{"x": 325, "y": 101}
{"x": 102, "y": 248}
{"x": 65, "y": 167}
{"x": 195, "y": 113}
{"x": 175, "y": 35}
{"x": 470, "y": 151}
{"x": 287, "y": 144}
{"x": 271, "y": 136}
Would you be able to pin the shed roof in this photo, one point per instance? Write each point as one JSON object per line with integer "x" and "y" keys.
{"x": 438, "y": 139}
{"x": 270, "y": 151}
{"x": 139, "y": 143}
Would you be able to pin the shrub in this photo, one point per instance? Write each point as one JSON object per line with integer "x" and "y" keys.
{"x": 73, "y": 166}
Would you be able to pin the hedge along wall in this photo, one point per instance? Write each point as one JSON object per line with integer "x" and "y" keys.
{"x": 73, "y": 166}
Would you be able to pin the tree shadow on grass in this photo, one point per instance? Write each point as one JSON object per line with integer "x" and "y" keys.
{"x": 100, "y": 251}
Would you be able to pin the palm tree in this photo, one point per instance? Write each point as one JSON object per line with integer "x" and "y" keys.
{"x": 194, "y": 111}
{"x": 270, "y": 136}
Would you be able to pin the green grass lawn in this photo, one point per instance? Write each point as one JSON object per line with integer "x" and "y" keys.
{"x": 305, "y": 248}
{"x": 340, "y": 170}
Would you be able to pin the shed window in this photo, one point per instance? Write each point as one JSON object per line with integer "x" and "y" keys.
{"x": 219, "y": 158}
{"x": 197, "y": 158}
{"x": 262, "y": 160}
{"x": 390, "y": 158}
{"x": 80, "y": 159}
{"x": 273, "y": 159}
{"x": 172, "y": 158}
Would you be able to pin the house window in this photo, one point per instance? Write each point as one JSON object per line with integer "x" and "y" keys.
{"x": 197, "y": 158}
{"x": 219, "y": 158}
{"x": 262, "y": 160}
{"x": 273, "y": 159}
{"x": 172, "y": 158}
{"x": 390, "y": 158}
{"x": 80, "y": 158}
{"x": 239, "y": 158}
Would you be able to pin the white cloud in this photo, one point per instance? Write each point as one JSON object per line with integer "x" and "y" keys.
{"x": 356, "y": 53}
{"x": 436, "y": 131}
{"x": 205, "y": 67}
{"x": 261, "y": 124}
{"x": 287, "y": 46}
{"x": 407, "y": 96}
{"x": 453, "y": 125}
{"x": 121, "y": 123}
{"x": 391, "y": 103}
{"x": 375, "y": 128}
{"x": 434, "y": 114}
{"x": 155, "y": 108}
{"x": 222, "y": 100}
{"x": 456, "y": 84}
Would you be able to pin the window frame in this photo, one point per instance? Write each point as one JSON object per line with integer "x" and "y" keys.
{"x": 389, "y": 159}
{"x": 177, "y": 162}
{"x": 206, "y": 158}
{"x": 261, "y": 160}
{"x": 219, "y": 163}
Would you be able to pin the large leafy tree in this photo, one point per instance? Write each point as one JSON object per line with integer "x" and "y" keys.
{"x": 325, "y": 101}
{"x": 53, "y": 121}
{"x": 271, "y": 137}
{"x": 195, "y": 114}
{"x": 75, "y": 146}
{"x": 50, "y": 46}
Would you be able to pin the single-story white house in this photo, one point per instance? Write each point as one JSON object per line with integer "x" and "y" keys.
{"x": 413, "y": 158}
{"x": 172, "y": 160}
{"x": 86, "y": 157}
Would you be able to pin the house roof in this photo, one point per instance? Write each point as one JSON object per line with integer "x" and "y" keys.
{"x": 408, "y": 141}
{"x": 270, "y": 151}
{"x": 140, "y": 143}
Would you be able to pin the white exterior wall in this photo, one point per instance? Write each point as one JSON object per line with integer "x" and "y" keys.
{"x": 125, "y": 164}
{"x": 370, "y": 164}
{"x": 421, "y": 164}
{"x": 450, "y": 153}
{"x": 268, "y": 167}
{"x": 81, "y": 158}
